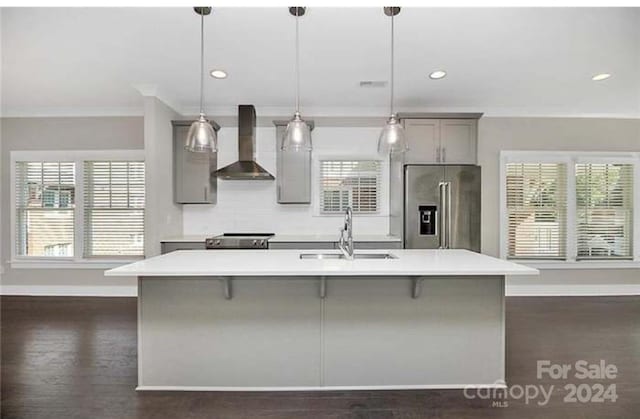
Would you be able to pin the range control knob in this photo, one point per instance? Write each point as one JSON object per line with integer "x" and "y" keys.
{"x": 217, "y": 242}
{"x": 254, "y": 243}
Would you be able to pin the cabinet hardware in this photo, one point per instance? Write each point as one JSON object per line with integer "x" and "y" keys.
{"x": 323, "y": 287}
{"x": 442, "y": 240}
{"x": 228, "y": 290}
{"x": 417, "y": 288}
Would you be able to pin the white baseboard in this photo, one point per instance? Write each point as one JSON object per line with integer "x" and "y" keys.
{"x": 550, "y": 290}
{"x": 323, "y": 388}
{"x": 71, "y": 290}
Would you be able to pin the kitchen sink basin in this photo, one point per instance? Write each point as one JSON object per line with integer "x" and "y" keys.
{"x": 341, "y": 256}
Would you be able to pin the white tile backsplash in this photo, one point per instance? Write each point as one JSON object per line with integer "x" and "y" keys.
{"x": 245, "y": 206}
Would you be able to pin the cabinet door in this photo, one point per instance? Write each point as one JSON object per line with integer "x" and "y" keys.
{"x": 168, "y": 247}
{"x": 423, "y": 136}
{"x": 300, "y": 245}
{"x": 458, "y": 140}
{"x": 194, "y": 173}
{"x": 377, "y": 245}
{"x": 294, "y": 173}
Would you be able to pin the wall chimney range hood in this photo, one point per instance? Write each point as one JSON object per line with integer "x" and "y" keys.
{"x": 246, "y": 167}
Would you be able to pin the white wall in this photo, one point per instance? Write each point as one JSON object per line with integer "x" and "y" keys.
{"x": 571, "y": 134}
{"x": 245, "y": 206}
{"x": 60, "y": 134}
{"x": 163, "y": 217}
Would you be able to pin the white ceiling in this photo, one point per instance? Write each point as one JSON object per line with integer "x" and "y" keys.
{"x": 499, "y": 61}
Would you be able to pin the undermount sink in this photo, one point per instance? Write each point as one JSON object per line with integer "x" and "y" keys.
{"x": 341, "y": 256}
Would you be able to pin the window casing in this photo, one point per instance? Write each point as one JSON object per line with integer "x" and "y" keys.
{"x": 344, "y": 183}
{"x": 49, "y": 212}
{"x": 600, "y": 204}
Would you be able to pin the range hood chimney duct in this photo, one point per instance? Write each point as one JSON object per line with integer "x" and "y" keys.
{"x": 246, "y": 167}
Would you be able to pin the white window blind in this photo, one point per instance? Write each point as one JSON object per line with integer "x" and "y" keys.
{"x": 114, "y": 199}
{"x": 354, "y": 183}
{"x": 45, "y": 202}
{"x": 604, "y": 204}
{"x": 536, "y": 209}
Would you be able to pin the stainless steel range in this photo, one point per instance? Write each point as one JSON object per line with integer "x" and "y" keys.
{"x": 239, "y": 241}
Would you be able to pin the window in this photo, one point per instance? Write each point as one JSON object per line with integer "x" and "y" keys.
{"x": 570, "y": 206}
{"x": 345, "y": 183}
{"x": 604, "y": 205}
{"x": 536, "y": 205}
{"x": 113, "y": 208}
{"x": 76, "y": 206}
{"x": 44, "y": 208}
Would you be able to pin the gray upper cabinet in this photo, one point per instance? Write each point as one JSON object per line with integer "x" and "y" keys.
{"x": 423, "y": 136}
{"x": 293, "y": 178}
{"x": 458, "y": 141}
{"x": 194, "y": 180}
{"x": 441, "y": 140}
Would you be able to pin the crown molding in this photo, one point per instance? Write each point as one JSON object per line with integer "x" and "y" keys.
{"x": 321, "y": 115}
{"x": 85, "y": 111}
{"x": 152, "y": 90}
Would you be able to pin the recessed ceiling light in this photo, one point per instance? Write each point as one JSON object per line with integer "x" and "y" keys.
{"x": 218, "y": 74}
{"x": 438, "y": 74}
{"x": 602, "y": 76}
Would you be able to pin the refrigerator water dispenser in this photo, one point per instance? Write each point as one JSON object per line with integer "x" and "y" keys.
{"x": 428, "y": 219}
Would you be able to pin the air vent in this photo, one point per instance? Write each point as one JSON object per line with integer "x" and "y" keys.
{"x": 373, "y": 83}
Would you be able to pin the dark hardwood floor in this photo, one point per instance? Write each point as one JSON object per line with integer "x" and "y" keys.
{"x": 76, "y": 358}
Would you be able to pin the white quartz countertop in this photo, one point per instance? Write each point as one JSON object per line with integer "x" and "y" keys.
{"x": 409, "y": 262}
{"x": 294, "y": 238}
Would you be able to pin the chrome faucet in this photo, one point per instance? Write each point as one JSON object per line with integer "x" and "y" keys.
{"x": 346, "y": 245}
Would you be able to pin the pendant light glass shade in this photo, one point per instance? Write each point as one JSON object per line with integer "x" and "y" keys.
{"x": 297, "y": 136}
{"x": 392, "y": 138}
{"x": 201, "y": 138}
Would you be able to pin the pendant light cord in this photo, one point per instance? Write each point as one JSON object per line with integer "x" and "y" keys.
{"x": 297, "y": 60}
{"x": 392, "y": 61}
{"x": 202, "y": 63}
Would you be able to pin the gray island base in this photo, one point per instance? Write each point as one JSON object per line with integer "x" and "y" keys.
{"x": 346, "y": 329}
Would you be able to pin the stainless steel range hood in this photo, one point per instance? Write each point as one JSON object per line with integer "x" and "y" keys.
{"x": 246, "y": 167}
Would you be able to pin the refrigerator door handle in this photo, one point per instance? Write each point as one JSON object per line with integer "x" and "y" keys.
{"x": 442, "y": 241}
{"x": 448, "y": 198}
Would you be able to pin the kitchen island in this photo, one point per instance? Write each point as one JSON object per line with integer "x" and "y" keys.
{"x": 271, "y": 320}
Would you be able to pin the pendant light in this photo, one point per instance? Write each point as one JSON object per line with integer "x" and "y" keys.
{"x": 392, "y": 138}
{"x": 297, "y": 136}
{"x": 201, "y": 138}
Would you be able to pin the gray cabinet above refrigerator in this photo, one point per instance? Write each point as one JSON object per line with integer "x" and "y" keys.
{"x": 441, "y": 139}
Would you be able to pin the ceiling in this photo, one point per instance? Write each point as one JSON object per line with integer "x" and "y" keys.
{"x": 85, "y": 61}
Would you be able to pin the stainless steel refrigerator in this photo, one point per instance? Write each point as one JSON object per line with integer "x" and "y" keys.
{"x": 442, "y": 207}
